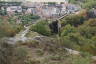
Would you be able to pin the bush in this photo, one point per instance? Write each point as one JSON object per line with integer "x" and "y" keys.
{"x": 68, "y": 29}
{"x": 81, "y": 60}
{"x": 90, "y": 26}
{"x": 70, "y": 37}
{"x": 9, "y": 30}
{"x": 42, "y": 28}
{"x": 88, "y": 32}
{"x": 74, "y": 20}
{"x": 79, "y": 39}
{"x": 91, "y": 23}
{"x": 29, "y": 18}
{"x": 3, "y": 12}
{"x": 89, "y": 4}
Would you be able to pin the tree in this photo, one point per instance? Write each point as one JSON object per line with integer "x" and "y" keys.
{"x": 88, "y": 28}
{"x": 74, "y": 20}
{"x": 29, "y": 18}
{"x": 3, "y": 12}
{"x": 89, "y": 4}
{"x": 81, "y": 38}
{"x": 91, "y": 23}
{"x": 68, "y": 29}
{"x": 42, "y": 28}
{"x": 69, "y": 37}
{"x": 9, "y": 30}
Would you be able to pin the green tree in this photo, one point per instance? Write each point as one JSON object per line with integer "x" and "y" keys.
{"x": 74, "y": 20}
{"x": 9, "y": 30}
{"x": 29, "y": 18}
{"x": 89, "y": 4}
{"x": 68, "y": 29}
{"x": 42, "y": 28}
{"x": 88, "y": 28}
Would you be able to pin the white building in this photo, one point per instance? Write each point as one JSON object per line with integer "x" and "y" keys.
{"x": 58, "y": 1}
{"x": 14, "y": 9}
{"x": 31, "y": 10}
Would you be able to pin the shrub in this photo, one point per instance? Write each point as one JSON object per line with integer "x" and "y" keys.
{"x": 9, "y": 30}
{"x": 68, "y": 29}
{"x": 91, "y": 22}
{"x": 26, "y": 19}
{"x": 78, "y": 39}
{"x": 70, "y": 38}
{"x": 88, "y": 28}
{"x": 81, "y": 60}
{"x": 74, "y": 20}
{"x": 42, "y": 28}
{"x": 89, "y": 4}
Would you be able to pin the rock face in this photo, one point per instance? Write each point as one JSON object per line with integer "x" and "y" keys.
{"x": 54, "y": 26}
{"x": 72, "y": 52}
{"x": 19, "y": 37}
{"x": 94, "y": 58}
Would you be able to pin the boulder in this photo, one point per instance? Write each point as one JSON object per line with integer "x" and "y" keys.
{"x": 94, "y": 58}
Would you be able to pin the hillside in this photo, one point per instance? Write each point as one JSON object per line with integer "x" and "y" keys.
{"x": 31, "y": 39}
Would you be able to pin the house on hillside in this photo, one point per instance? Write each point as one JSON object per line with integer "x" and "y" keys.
{"x": 71, "y": 8}
{"x": 51, "y": 10}
{"x": 48, "y": 11}
{"x": 29, "y": 7}
{"x": 30, "y": 10}
{"x": 63, "y": 9}
{"x": 11, "y": 7}
{"x": 14, "y": 9}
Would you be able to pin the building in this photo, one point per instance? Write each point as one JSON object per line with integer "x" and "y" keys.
{"x": 42, "y": 8}
{"x": 71, "y": 8}
{"x": 14, "y": 9}
{"x": 11, "y": 7}
{"x": 57, "y": 1}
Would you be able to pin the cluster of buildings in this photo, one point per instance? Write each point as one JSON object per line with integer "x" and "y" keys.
{"x": 43, "y": 9}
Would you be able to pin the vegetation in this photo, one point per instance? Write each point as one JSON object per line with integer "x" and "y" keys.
{"x": 10, "y": 54}
{"x": 8, "y": 29}
{"x": 74, "y": 20}
{"x": 28, "y": 18}
{"x": 42, "y": 28}
{"x": 77, "y": 33}
{"x": 85, "y": 3}
{"x": 44, "y": 45}
{"x": 3, "y": 12}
